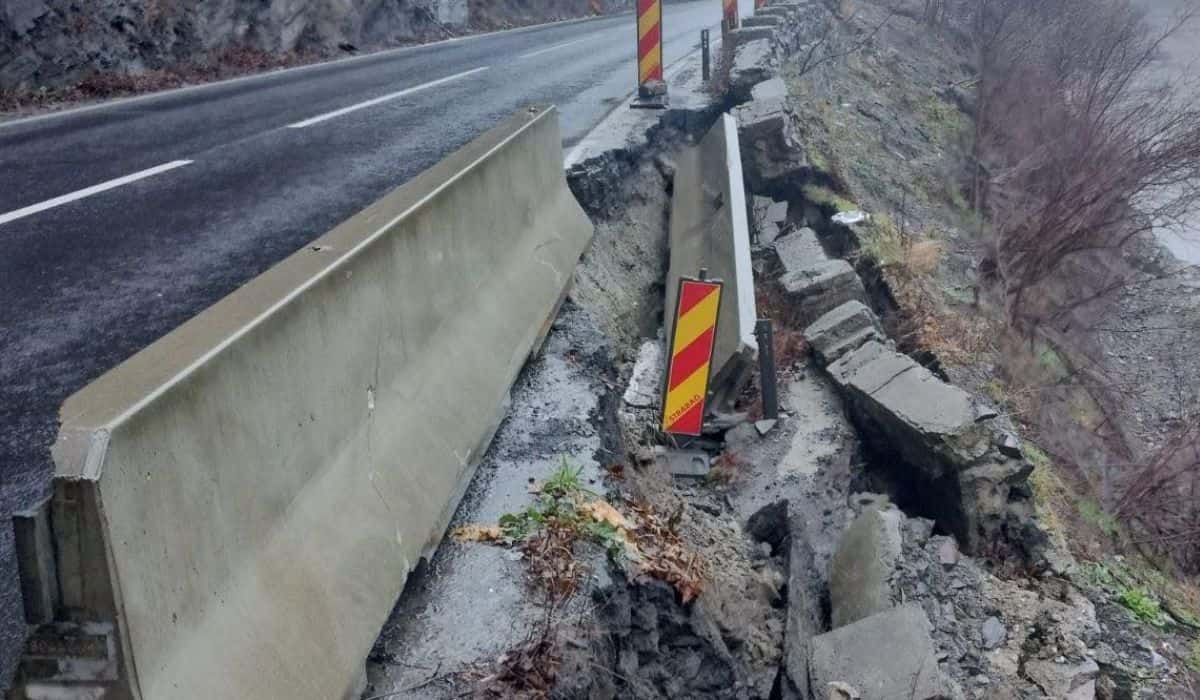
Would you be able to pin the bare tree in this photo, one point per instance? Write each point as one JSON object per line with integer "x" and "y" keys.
{"x": 1077, "y": 149}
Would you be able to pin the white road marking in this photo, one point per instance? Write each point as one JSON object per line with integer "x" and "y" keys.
{"x": 88, "y": 192}
{"x": 381, "y": 100}
{"x": 556, "y": 47}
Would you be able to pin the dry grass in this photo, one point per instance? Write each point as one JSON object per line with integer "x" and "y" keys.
{"x": 909, "y": 261}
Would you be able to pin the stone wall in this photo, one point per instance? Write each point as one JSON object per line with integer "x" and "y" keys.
{"x": 49, "y": 42}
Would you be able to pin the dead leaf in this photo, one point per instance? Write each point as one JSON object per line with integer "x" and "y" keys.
{"x": 477, "y": 533}
{"x": 602, "y": 512}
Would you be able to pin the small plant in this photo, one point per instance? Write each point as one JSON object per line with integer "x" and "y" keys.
{"x": 1193, "y": 659}
{"x": 995, "y": 390}
{"x": 904, "y": 252}
{"x": 1143, "y": 605}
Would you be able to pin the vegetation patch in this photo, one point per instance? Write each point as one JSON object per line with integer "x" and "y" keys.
{"x": 827, "y": 198}
{"x": 566, "y": 514}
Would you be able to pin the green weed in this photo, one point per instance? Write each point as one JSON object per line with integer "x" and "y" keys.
{"x": 1193, "y": 659}
{"x": 1143, "y": 605}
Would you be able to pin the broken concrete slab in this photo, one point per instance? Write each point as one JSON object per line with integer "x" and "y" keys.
{"x": 860, "y": 577}
{"x": 886, "y": 656}
{"x": 843, "y": 330}
{"x": 683, "y": 463}
{"x": 645, "y": 384}
{"x": 800, "y": 250}
{"x": 753, "y": 62}
{"x": 929, "y": 422}
{"x": 748, "y": 33}
{"x": 771, "y": 89}
{"x": 771, "y": 144}
{"x": 821, "y": 288}
{"x": 762, "y": 21}
{"x": 1060, "y": 680}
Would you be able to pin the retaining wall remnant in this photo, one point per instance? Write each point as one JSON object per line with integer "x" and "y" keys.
{"x": 950, "y": 444}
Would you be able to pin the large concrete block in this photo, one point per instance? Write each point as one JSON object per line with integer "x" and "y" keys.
{"x": 753, "y": 62}
{"x": 843, "y": 330}
{"x": 815, "y": 290}
{"x": 709, "y": 229}
{"x": 860, "y": 575}
{"x": 800, "y": 250}
{"x": 888, "y": 656}
{"x": 932, "y": 424}
{"x": 246, "y": 497}
{"x": 771, "y": 145}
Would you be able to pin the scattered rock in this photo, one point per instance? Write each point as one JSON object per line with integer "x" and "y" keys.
{"x": 843, "y": 691}
{"x": 740, "y": 437}
{"x": 1060, "y": 679}
{"x": 645, "y": 384}
{"x": 888, "y": 656}
{"x": 770, "y": 524}
{"x": 993, "y": 633}
{"x": 948, "y": 552}
{"x": 764, "y": 426}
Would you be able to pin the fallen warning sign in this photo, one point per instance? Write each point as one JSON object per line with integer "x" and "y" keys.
{"x": 691, "y": 355}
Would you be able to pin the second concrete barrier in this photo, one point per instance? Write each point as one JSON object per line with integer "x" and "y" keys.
{"x": 709, "y": 230}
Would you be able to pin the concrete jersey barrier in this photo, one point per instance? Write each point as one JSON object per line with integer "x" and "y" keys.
{"x": 709, "y": 229}
{"x": 245, "y": 498}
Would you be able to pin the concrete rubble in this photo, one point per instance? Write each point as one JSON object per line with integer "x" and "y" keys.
{"x": 768, "y": 218}
{"x": 861, "y": 571}
{"x": 770, "y": 141}
{"x": 887, "y": 656}
{"x": 843, "y": 330}
{"x": 821, "y": 287}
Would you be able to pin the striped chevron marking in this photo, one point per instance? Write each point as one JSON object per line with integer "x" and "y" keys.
{"x": 691, "y": 356}
{"x": 649, "y": 40}
{"x": 731, "y": 14}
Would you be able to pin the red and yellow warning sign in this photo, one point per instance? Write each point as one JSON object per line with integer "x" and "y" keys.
{"x": 649, "y": 40}
{"x": 691, "y": 356}
{"x": 729, "y": 14}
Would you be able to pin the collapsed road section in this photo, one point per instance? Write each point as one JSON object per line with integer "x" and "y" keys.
{"x": 842, "y": 544}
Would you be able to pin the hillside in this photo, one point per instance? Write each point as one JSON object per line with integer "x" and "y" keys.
{"x": 106, "y": 47}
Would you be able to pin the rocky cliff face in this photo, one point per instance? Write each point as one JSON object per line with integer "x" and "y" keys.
{"x": 50, "y": 42}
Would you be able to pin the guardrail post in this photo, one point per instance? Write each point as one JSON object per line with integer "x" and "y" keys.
{"x": 705, "y": 59}
{"x": 765, "y": 333}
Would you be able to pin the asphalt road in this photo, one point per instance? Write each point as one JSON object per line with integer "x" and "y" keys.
{"x": 118, "y": 223}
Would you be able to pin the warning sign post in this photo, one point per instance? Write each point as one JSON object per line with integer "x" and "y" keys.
{"x": 695, "y": 331}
